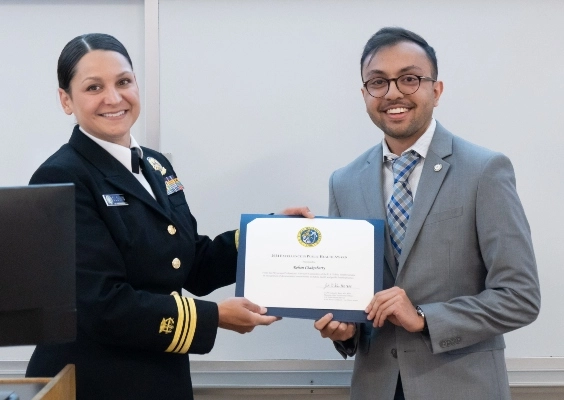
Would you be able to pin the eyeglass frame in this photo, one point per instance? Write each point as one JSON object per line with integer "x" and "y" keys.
{"x": 395, "y": 80}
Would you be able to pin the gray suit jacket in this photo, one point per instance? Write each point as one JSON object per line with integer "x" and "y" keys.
{"x": 467, "y": 260}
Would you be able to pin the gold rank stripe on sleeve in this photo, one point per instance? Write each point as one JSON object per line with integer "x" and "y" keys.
{"x": 191, "y": 327}
{"x": 186, "y": 326}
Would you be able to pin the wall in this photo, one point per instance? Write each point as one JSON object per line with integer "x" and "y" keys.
{"x": 33, "y": 124}
{"x": 260, "y": 102}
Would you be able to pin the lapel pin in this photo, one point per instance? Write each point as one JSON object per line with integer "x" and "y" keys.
{"x": 438, "y": 167}
{"x": 156, "y": 165}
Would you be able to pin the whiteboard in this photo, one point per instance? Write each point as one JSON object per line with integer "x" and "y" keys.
{"x": 260, "y": 102}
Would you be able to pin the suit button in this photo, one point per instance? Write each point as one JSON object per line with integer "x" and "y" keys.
{"x": 176, "y": 263}
{"x": 394, "y": 353}
{"x": 171, "y": 229}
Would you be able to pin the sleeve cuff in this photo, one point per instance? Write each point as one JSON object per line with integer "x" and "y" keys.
{"x": 196, "y": 326}
{"x": 185, "y": 327}
{"x": 347, "y": 348}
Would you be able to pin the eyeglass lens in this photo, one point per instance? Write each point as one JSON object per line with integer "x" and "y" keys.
{"x": 406, "y": 84}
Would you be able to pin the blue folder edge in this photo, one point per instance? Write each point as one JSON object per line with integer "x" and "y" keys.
{"x": 309, "y": 313}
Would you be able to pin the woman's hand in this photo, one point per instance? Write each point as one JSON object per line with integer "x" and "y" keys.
{"x": 240, "y": 315}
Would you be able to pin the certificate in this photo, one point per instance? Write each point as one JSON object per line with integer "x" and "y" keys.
{"x": 304, "y": 268}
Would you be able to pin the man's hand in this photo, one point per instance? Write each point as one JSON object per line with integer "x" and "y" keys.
{"x": 240, "y": 315}
{"x": 303, "y": 211}
{"x": 334, "y": 330}
{"x": 394, "y": 305}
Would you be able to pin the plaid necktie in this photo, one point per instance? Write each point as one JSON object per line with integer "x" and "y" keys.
{"x": 402, "y": 200}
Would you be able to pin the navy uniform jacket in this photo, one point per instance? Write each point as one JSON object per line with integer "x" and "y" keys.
{"x": 134, "y": 330}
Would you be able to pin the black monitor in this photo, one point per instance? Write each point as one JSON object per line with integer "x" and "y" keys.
{"x": 37, "y": 264}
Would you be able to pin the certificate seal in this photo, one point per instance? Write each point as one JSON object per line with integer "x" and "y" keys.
{"x": 309, "y": 236}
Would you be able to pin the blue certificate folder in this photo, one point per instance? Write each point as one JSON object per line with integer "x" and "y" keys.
{"x": 309, "y": 313}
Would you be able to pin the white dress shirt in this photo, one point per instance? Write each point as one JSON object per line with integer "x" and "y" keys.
{"x": 123, "y": 155}
{"x": 421, "y": 147}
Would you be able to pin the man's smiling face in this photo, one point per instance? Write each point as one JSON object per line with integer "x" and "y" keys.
{"x": 402, "y": 118}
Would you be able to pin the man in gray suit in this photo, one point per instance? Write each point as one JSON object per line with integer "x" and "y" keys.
{"x": 459, "y": 266}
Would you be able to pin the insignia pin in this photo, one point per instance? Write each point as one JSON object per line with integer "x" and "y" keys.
{"x": 156, "y": 165}
{"x": 438, "y": 167}
{"x": 167, "y": 325}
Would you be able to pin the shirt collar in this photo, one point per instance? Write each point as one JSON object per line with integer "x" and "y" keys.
{"x": 421, "y": 146}
{"x": 119, "y": 152}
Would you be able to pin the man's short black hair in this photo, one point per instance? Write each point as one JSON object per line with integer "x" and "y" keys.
{"x": 391, "y": 36}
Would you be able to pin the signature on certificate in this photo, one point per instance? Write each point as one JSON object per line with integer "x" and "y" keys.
{"x": 336, "y": 285}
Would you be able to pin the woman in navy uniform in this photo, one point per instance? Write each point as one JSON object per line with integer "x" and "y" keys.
{"x": 137, "y": 244}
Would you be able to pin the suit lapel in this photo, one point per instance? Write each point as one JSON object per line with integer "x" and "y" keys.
{"x": 370, "y": 180}
{"x": 428, "y": 188}
{"x": 113, "y": 170}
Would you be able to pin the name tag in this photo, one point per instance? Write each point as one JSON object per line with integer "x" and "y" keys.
{"x": 114, "y": 200}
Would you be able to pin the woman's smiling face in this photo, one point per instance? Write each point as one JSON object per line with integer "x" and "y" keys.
{"x": 104, "y": 96}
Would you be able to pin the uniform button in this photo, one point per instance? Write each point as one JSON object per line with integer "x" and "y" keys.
{"x": 176, "y": 263}
{"x": 171, "y": 229}
{"x": 174, "y": 293}
{"x": 394, "y": 353}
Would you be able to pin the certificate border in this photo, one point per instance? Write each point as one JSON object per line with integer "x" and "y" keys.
{"x": 312, "y": 313}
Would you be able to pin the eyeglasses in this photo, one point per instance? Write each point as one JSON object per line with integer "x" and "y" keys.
{"x": 406, "y": 84}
